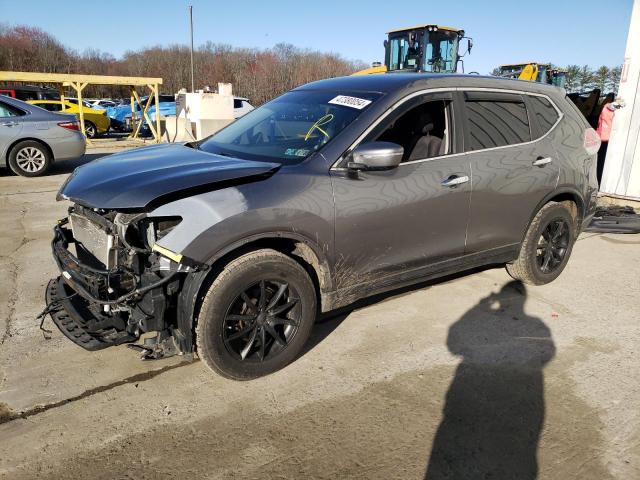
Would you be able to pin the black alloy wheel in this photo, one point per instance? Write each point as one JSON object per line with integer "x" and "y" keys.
{"x": 547, "y": 244}
{"x": 262, "y": 321}
{"x": 256, "y": 315}
{"x": 552, "y": 245}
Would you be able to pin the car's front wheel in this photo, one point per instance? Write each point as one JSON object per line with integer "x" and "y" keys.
{"x": 256, "y": 316}
{"x": 547, "y": 245}
{"x": 29, "y": 158}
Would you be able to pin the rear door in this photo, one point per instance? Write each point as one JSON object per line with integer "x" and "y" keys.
{"x": 513, "y": 167}
{"x": 10, "y": 126}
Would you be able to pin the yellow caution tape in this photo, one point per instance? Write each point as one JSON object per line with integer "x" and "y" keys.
{"x": 176, "y": 257}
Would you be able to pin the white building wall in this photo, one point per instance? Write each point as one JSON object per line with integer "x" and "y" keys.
{"x": 621, "y": 174}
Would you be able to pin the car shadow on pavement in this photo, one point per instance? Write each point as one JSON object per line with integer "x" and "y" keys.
{"x": 68, "y": 166}
{"x": 328, "y": 322}
{"x": 494, "y": 410}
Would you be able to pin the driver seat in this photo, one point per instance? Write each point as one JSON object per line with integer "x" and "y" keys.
{"x": 426, "y": 145}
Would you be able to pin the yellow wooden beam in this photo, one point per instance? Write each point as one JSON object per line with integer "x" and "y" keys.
{"x": 69, "y": 78}
{"x": 155, "y": 90}
{"x": 145, "y": 116}
{"x": 134, "y": 98}
{"x": 78, "y": 87}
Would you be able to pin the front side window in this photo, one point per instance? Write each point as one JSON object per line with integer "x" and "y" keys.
{"x": 291, "y": 127}
{"x": 496, "y": 123}
{"x": 545, "y": 113}
{"x": 422, "y": 129}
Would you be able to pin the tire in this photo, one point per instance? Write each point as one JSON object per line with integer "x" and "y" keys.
{"x": 90, "y": 130}
{"x": 232, "y": 327}
{"x": 30, "y": 158}
{"x": 556, "y": 222}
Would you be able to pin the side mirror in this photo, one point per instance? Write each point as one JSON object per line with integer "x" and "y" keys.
{"x": 376, "y": 156}
{"x": 385, "y": 43}
{"x": 469, "y": 45}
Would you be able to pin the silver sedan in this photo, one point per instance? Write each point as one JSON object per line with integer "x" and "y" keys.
{"x": 32, "y": 138}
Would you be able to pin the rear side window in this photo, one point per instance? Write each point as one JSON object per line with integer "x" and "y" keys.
{"x": 52, "y": 107}
{"x": 9, "y": 111}
{"x": 546, "y": 115}
{"x": 496, "y": 123}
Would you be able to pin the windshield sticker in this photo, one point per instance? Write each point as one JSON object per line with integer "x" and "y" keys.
{"x": 297, "y": 152}
{"x": 353, "y": 102}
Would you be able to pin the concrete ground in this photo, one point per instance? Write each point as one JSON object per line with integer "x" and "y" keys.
{"x": 471, "y": 377}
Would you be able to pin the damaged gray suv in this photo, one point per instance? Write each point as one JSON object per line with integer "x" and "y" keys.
{"x": 337, "y": 190}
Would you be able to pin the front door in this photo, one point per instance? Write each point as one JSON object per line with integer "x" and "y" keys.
{"x": 397, "y": 222}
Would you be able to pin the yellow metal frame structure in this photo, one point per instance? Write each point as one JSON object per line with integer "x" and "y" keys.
{"x": 79, "y": 83}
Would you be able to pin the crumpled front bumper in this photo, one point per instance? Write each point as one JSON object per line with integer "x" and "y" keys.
{"x": 79, "y": 322}
{"x": 72, "y": 296}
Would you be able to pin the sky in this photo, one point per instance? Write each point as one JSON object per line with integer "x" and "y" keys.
{"x": 562, "y": 32}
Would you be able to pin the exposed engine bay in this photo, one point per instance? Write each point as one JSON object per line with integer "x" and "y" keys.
{"x": 116, "y": 282}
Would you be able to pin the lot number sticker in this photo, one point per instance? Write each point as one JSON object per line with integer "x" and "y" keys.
{"x": 353, "y": 102}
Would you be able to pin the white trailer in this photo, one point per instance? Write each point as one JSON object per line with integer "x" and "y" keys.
{"x": 621, "y": 175}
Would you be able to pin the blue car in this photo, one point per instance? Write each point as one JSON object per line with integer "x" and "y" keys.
{"x": 120, "y": 115}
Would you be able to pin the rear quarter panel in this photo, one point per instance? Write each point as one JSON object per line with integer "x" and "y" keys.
{"x": 577, "y": 167}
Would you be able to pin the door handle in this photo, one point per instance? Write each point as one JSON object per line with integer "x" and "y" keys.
{"x": 542, "y": 161}
{"x": 454, "y": 180}
{"x": 9, "y": 124}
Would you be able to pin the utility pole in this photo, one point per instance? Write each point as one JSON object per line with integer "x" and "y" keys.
{"x": 191, "y": 31}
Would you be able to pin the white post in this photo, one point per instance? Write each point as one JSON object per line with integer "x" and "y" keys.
{"x": 621, "y": 175}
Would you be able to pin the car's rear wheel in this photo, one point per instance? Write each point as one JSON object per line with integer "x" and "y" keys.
{"x": 29, "y": 158}
{"x": 90, "y": 129}
{"x": 256, "y": 316}
{"x": 547, "y": 245}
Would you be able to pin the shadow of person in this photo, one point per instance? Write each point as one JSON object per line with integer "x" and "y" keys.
{"x": 494, "y": 409}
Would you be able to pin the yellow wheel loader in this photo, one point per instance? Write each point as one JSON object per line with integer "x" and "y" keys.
{"x": 422, "y": 48}
{"x": 534, "y": 72}
{"x": 589, "y": 103}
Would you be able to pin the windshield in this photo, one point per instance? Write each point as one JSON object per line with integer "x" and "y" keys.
{"x": 442, "y": 52}
{"x": 435, "y": 51}
{"x": 404, "y": 50}
{"x": 291, "y": 127}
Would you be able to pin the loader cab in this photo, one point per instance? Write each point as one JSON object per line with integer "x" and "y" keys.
{"x": 424, "y": 48}
{"x": 535, "y": 72}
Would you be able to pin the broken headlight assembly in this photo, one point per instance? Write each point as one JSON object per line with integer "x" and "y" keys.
{"x": 116, "y": 281}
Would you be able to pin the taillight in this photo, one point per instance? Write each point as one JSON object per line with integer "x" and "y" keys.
{"x": 70, "y": 125}
{"x": 591, "y": 141}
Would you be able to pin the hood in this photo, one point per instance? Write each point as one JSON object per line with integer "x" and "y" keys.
{"x": 134, "y": 179}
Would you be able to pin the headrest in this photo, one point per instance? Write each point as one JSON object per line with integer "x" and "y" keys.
{"x": 427, "y": 128}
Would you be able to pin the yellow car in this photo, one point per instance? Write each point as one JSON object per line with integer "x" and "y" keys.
{"x": 96, "y": 121}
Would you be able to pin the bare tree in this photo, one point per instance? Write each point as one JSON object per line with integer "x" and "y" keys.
{"x": 259, "y": 74}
